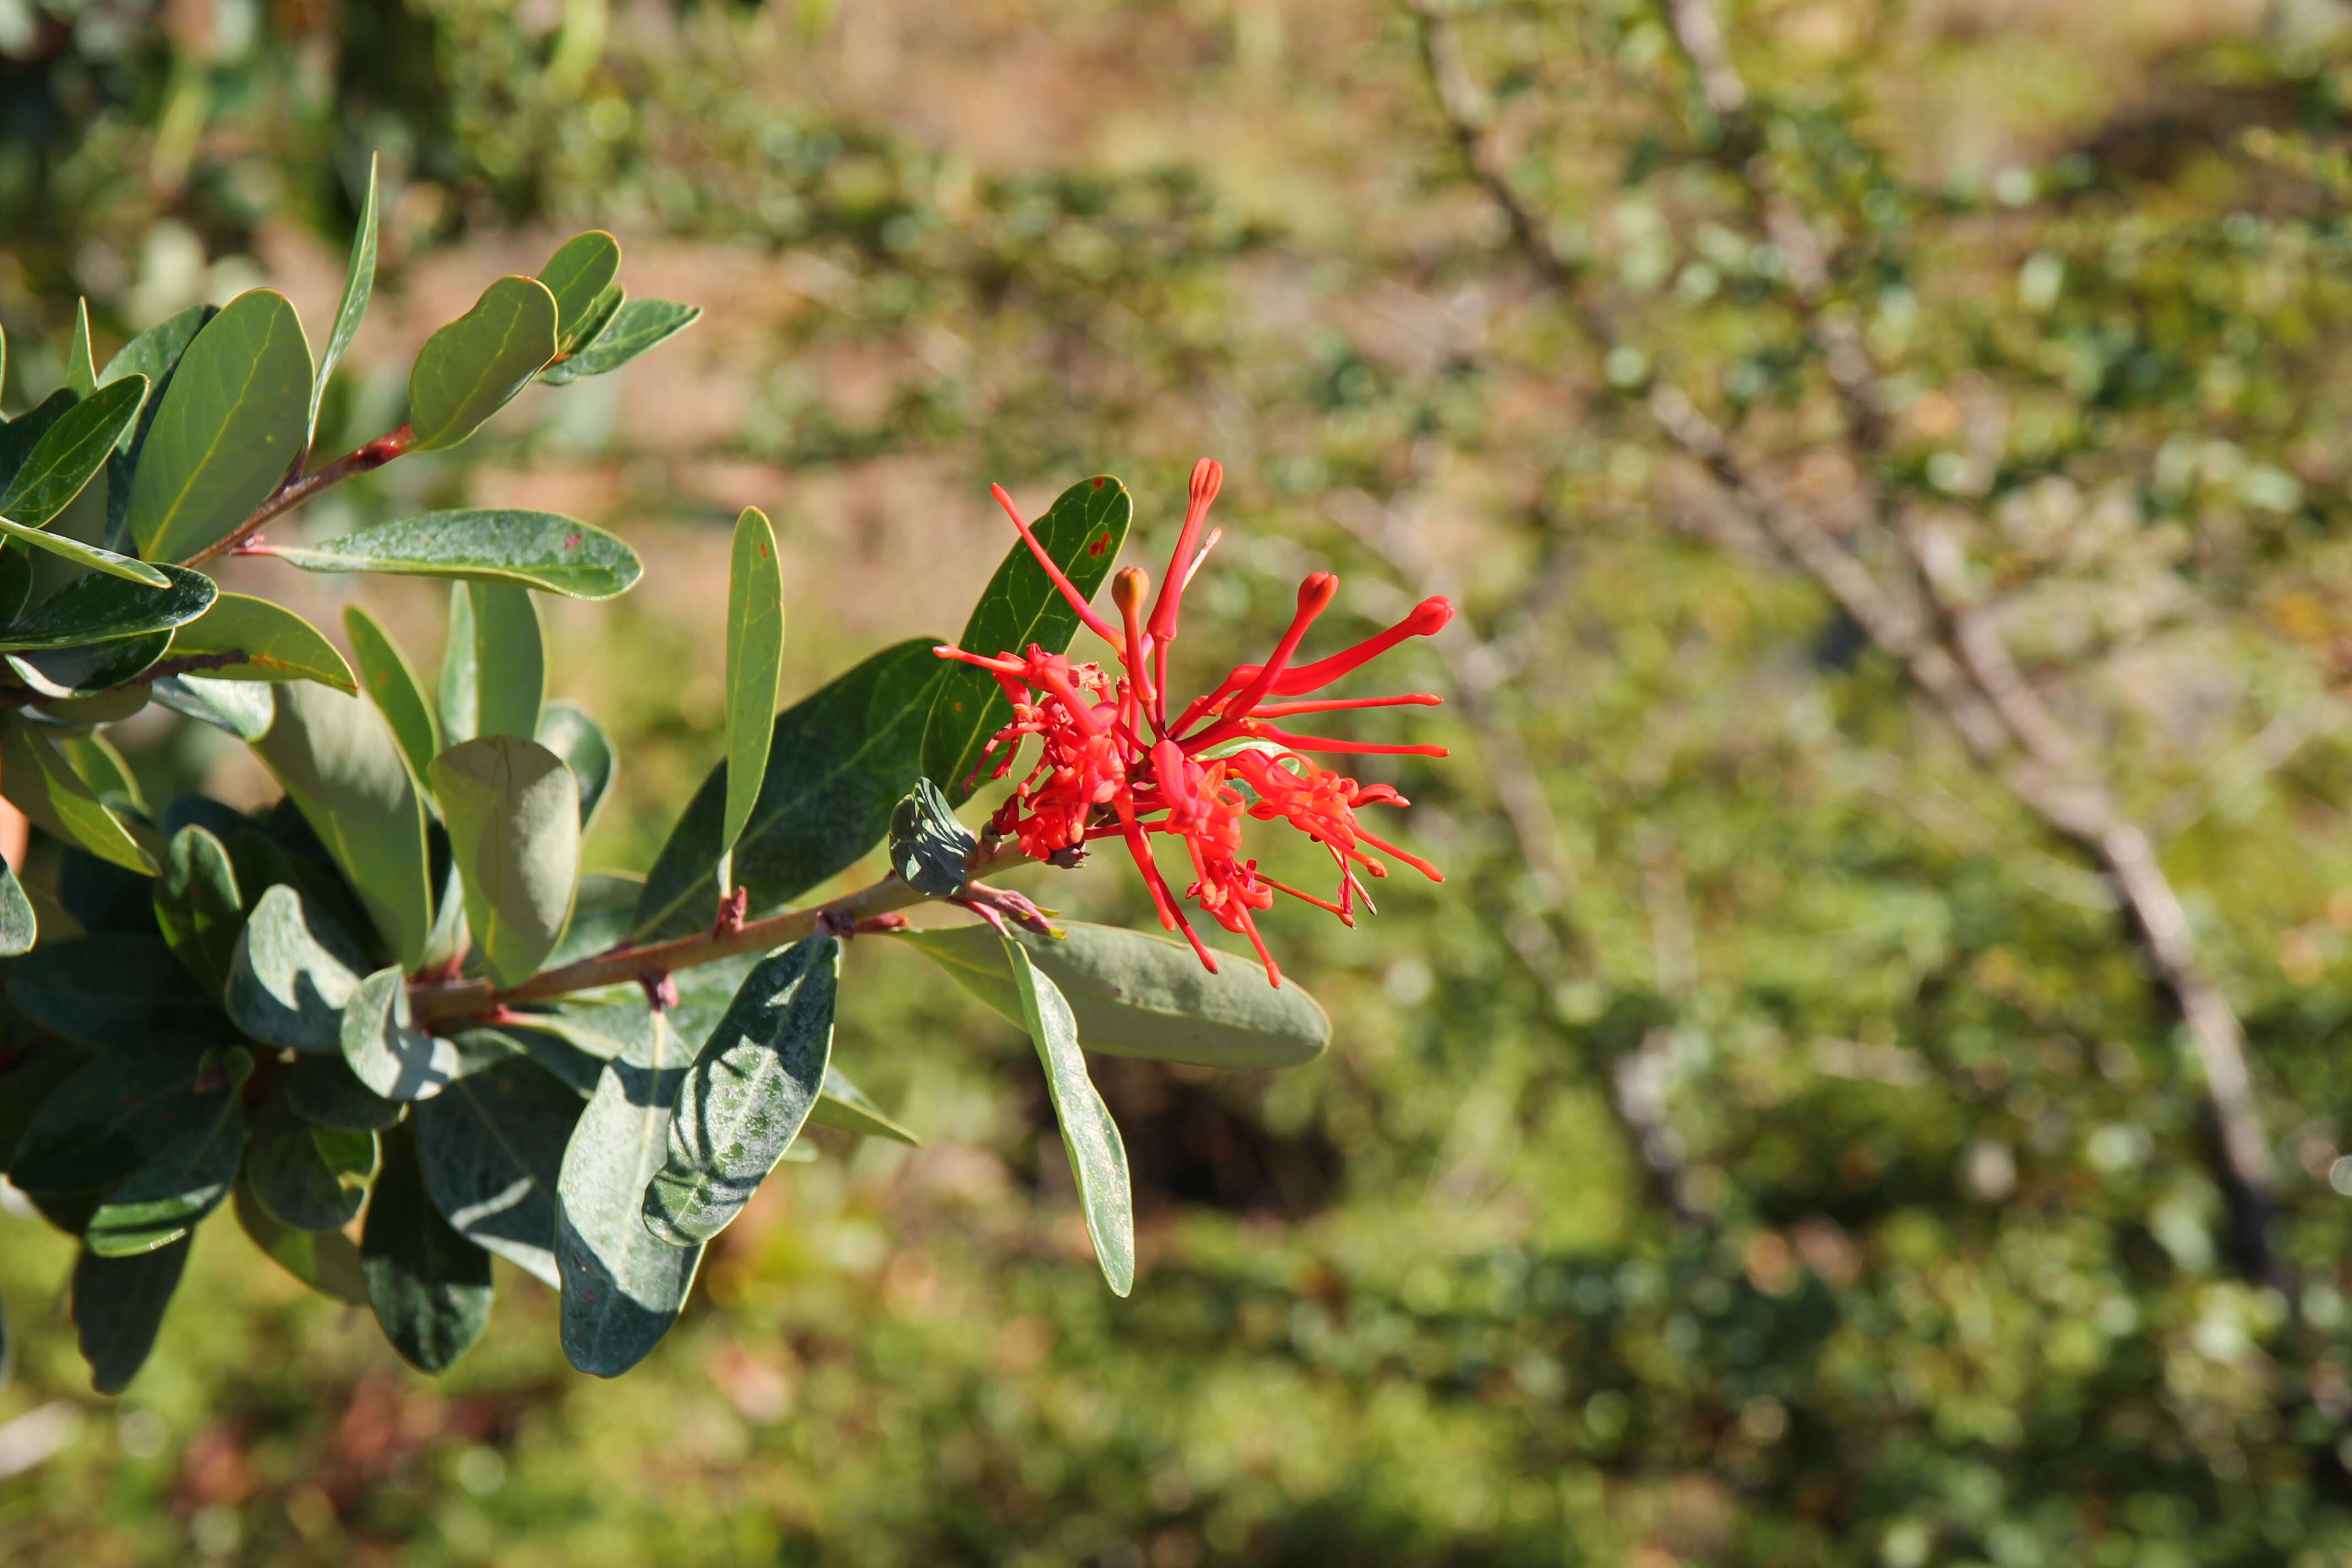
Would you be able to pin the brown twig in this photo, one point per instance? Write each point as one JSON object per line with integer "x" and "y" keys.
{"x": 300, "y": 489}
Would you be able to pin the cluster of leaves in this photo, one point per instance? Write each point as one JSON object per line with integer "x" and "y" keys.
{"x": 389, "y": 1023}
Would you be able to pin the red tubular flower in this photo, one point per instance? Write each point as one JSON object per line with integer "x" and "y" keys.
{"x": 1111, "y": 764}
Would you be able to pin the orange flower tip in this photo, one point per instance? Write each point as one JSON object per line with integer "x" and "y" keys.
{"x": 1208, "y": 478}
{"x": 1315, "y": 593}
{"x": 1431, "y": 615}
{"x": 1127, "y": 590}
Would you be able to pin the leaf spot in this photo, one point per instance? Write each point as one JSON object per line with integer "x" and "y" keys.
{"x": 571, "y": 542}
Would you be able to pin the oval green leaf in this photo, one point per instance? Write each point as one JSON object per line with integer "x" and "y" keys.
{"x": 473, "y": 367}
{"x": 492, "y": 1149}
{"x": 1136, "y": 996}
{"x": 71, "y": 451}
{"x": 577, "y": 275}
{"x": 510, "y": 661}
{"x": 117, "y": 991}
{"x": 636, "y": 326}
{"x": 386, "y": 1052}
{"x": 846, "y": 1108}
{"x": 326, "y": 1260}
{"x": 306, "y": 1177}
{"x": 747, "y": 1094}
{"x": 117, "y": 1309}
{"x": 198, "y": 907}
{"x": 567, "y": 730}
{"x": 513, "y": 812}
{"x": 187, "y": 1177}
{"x": 393, "y": 690}
{"x": 229, "y": 427}
{"x": 246, "y": 639}
{"x": 338, "y": 763}
{"x": 292, "y": 971}
{"x": 530, "y": 549}
{"x": 44, "y": 786}
{"x": 89, "y": 555}
{"x": 429, "y": 1286}
{"x": 755, "y": 667}
{"x": 19, "y": 928}
{"x": 1097, "y": 1154}
{"x": 105, "y": 609}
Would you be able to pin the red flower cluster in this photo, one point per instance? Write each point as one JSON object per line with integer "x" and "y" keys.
{"x": 1114, "y": 765}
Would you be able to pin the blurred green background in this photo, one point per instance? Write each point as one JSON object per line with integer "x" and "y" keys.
{"x": 1764, "y": 1148}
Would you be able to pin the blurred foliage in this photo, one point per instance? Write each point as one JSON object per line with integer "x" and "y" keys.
{"x": 1933, "y": 1274}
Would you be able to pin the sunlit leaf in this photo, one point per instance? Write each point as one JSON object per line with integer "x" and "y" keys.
{"x": 755, "y": 664}
{"x": 529, "y": 549}
{"x": 226, "y": 431}
{"x": 1097, "y": 1155}
{"x": 245, "y": 638}
{"x": 359, "y": 285}
{"x": 513, "y": 812}
{"x": 636, "y": 326}
{"x": 473, "y": 367}
{"x": 430, "y": 1286}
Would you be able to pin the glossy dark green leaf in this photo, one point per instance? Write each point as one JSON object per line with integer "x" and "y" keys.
{"x": 19, "y": 928}
{"x": 292, "y": 971}
{"x": 567, "y": 730}
{"x": 155, "y": 355}
{"x": 45, "y": 787}
{"x": 386, "y": 1052}
{"x": 95, "y": 679}
{"x": 528, "y": 549}
{"x": 430, "y": 1286}
{"x": 492, "y": 1148}
{"x": 70, "y": 452}
{"x": 1097, "y": 1154}
{"x": 621, "y": 1288}
{"x": 87, "y": 555}
{"x": 636, "y": 326}
{"x": 95, "y": 761}
{"x": 227, "y": 429}
{"x": 242, "y": 709}
{"x": 19, "y": 436}
{"x": 747, "y": 1094}
{"x": 1082, "y": 531}
{"x": 30, "y": 1074}
{"x": 577, "y": 275}
{"x": 838, "y": 763}
{"x": 513, "y": 812}
{"x": 304, "y": 1176}
{"x": 755, "y": 667}
{"x": 1136, "y": 996}
{"x": 929, "y": 847}
{"x": 846, "y": 1108}
{"x": 326, "y": 1260}
{"x": 359, "y": 285}
{"x": 590, "y": 326}
{"x": 325, "y": 1093}
{"x": 118, "y": 1310}
{"x": 177, "y": 1185}
{"x": 115, "y": 1112}
{"x": 245, "y": 638}
{"x": 473, "y": 367}
{"x": 16, "y": 580}
{"x": 393, "y": 689}
{"x": 116, "y": 991}
{"x": 198, "y": 906}
{"x": 102, "y": 607}
{"x": 338, "y": 763}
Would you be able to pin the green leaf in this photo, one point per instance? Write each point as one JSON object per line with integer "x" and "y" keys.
{"x": 747, "y": 1094}
{"x": 755, "y": 666}
{"x": 105, "y": 609}
{"x": 1136, "y": 996}
{"x": 69, "y": 454}
{"x": 18, "y": 930}
{"x": 114, "y": 1114}
{"x": 635, "y": 327}
{"x": 385, "y": 1050}
{"x": 325, "y": 1093}
{"x": 81, "y": 367}
{"x": 153, "y": 353}
{"x": 228, "y": 428}
{"x": 529, "y": 549}
{"x": 339, "y": 765}
{"x": 19, "y": 436}
{"x": 838, "y": 761}
{"x": 292, "y": 971}
{"x": 393, "y": 689}
{"x": 253, "y": 639}
{"x": 492, "y": 1148}
{"x": 116, "y": 991}
{"x": 307, "y": 1177}
{"x": 510, "y": 661}
{"x": 621, "y": 1288}
{"x": 198, "y": 906}
{"x": 578, "y": 275}
{"x": 567, "y": 730}
{"x": 117, "y": 1309}
{"x": 326, "y": 1260}
{"x": 430, "y": 1286}
{"x": 458, "y": 692}
{"x": 473, "y": 367}
{"x": 89, "y": 555}
{"x": 1097, "y": 1155}
{"x": 245, "y": 711}
{"x": 929, "y": 847}
{"x": 591, "y": 324}
{"x": 42, "y": 785}
{"x": 91, "y": 683}
{"x": 359, "y": 285}
{"x": 513, "y": 811}
{"x": 1082, "y": 531}
{"x": 182, "y": 1182}
{"x": 846, "y": 1108}
{"x": 15, "y": 581}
